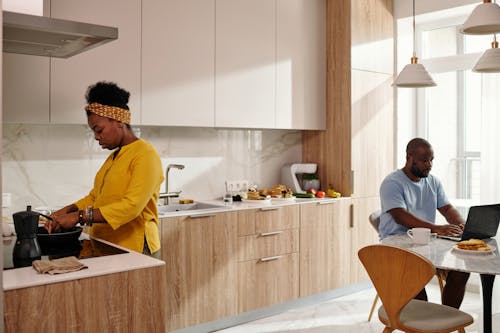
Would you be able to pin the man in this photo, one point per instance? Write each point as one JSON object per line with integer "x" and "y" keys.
{"x": 409, "y": 199}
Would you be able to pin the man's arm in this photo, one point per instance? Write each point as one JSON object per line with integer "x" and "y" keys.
{"x": 452, "y": 215}
{"x": 405, "y": 218}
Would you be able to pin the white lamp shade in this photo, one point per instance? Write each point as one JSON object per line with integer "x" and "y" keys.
{"x": 414, "y": 76}
{"x": 484, "y": 20}
{"x": 489, "y": 62}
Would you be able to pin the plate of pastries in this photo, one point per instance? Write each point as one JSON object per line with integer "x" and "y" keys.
{"x": 276, "y": 193}
{"x": 476, "y": 246}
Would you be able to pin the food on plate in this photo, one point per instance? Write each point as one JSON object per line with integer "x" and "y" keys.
{"x": 320, "y": 194}
{"x": 473, "y": 245}
{"x": 186, "y": 201}
{"x": 253, "y": 194}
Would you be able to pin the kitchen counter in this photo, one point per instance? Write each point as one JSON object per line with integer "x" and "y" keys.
{"x": 240, "y": 205}
{"x": 28, "y": 277}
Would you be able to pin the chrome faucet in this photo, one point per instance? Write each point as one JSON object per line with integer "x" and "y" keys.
{"x": 167, "y": 195}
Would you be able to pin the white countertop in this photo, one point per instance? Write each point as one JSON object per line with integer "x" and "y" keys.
{"x": 240, "y": 205}
{"x": 27, "y": 276}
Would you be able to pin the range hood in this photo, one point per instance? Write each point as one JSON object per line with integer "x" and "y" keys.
{"x": 49, "y": 37}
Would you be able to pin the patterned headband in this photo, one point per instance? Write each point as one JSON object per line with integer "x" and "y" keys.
{"x": 107, "y": 111}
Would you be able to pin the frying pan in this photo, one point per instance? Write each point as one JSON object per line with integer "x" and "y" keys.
{"x": 56, "y": 238}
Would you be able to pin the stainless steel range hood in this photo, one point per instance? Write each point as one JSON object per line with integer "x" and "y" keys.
{"x": 49, "y": 37}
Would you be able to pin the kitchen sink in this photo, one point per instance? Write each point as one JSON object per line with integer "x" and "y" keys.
{"x": 185, "y": 207}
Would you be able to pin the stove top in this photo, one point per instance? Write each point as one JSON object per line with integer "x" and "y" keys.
{"x": 82, "y": 248}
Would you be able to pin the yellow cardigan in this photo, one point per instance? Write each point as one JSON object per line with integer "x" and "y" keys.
{"x": 126, "y": 192}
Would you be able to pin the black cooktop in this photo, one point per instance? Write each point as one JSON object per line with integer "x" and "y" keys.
{"x": 82, "y": 248}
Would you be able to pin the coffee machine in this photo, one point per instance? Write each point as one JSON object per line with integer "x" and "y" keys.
{"x": 26, "y": 248}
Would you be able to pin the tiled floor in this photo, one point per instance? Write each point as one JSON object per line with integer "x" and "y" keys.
{"x": 348, "y": 314}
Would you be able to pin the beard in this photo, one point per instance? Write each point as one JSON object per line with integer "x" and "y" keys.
{"x": 419, "y": 173}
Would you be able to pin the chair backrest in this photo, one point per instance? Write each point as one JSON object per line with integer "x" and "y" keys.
{"x": 397, "y": 274}
{"x": 375, "y": 218}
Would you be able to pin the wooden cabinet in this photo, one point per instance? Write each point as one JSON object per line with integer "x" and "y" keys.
{"x": 268, "y": 267}
{"x": 325, "y": 257}
{"x": 362, "y": 234}
{"x": 201, "y": 270}
{"x": 301, "y": 64}
{"x": 25, "y": 89}
{"x": 178, "y": 62}
{"x": 117, "y": 61}
{"x": 245, "y": 63}
{"x": 117, "y": 302}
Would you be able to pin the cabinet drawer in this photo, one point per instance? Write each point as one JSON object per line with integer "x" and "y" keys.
{"x": 268, "y": 244}
{"x": 267, "y": 219}
{"x": 267, "y": 281}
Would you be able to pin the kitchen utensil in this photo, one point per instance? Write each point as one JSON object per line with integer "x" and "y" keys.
{"x": 26, "y": 248}
{"x": 55, "y": 238}
{"x": 291, "y": 175}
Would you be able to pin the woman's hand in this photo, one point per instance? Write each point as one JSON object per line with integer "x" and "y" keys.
{"x": 61, "y": 221}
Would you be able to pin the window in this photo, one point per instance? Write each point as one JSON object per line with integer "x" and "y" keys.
{"x": 452, "y": 114}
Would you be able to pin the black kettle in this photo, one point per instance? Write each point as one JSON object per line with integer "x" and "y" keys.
{"x": 26, "y": 248}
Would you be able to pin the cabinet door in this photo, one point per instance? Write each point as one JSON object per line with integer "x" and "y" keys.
{"x": 362, "y": 234}
{"x": 117, "y": 61}
{"x": 267, "y": 281}
{"x": 372, "y": 131}
{"x": 25, "y": 89}
{"x": 245, "y": 63}
{"x": 201, "y": 270}
{"x": 325, "y": 257}
{"x": 301, "y": 64}
{"x": 178, "y": 62}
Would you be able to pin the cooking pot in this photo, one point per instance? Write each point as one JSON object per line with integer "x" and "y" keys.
{"x": 56, "y": 238}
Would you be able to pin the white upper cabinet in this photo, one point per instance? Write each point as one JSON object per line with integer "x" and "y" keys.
{"x": 245, "y": 63}
{"x": 178, "y": 62}
{"x": 117, "y": 61}
{"x": 301, "y": 64}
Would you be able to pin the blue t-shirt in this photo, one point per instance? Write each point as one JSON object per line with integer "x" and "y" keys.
{"x": 421, "y": 199}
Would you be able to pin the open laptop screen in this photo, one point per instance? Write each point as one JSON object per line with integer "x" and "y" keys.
{"x": 482, "y": 222}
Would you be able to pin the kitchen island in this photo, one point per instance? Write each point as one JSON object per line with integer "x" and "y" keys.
{"x": 116, "y": 293}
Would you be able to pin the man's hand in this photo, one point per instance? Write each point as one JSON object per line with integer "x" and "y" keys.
{"x": 448, "y": 229}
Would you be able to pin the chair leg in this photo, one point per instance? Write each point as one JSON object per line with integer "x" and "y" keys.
{"x": 461, "y": 330}
{"x": 373, "y": 307}
{"x": 441, "y": 276}
{"x": 388, "y": 330}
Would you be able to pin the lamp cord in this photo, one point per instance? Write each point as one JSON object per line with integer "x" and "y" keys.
{"x": 414, "y": 39}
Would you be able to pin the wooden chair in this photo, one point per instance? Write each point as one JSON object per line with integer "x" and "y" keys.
{"x": 398, "y": 275}
{"x": 374, "y": 219}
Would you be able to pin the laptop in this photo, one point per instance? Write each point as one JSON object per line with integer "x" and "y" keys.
{"x": 482, "y": 223}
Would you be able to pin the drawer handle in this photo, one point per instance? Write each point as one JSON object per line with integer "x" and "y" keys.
{"x": 269, "y": 258}
{"x": 272, "y": 233}
{"x": 270, "y": 208}
{"x": 197, "y": 216}
{"x": 325, "y": 202}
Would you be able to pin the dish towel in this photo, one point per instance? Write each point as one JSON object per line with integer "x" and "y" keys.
{"x": 58, "y": 266}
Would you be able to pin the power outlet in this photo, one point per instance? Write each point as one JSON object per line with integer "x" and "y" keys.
{"x": 6, "y": 200}
{"x": 233, "y": 186}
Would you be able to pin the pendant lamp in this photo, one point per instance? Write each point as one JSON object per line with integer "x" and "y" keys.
{"x": 490, "y": 60}
{"x": 484, "y": 20}
{"x": 414, "y": 75}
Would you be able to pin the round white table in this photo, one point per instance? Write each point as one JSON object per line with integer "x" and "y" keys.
{"x": 441, "y": 253}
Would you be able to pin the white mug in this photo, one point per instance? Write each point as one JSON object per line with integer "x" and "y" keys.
{"x": 420, "y": 235}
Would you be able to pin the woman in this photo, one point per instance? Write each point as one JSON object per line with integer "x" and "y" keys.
{"x": 121, "y": 207}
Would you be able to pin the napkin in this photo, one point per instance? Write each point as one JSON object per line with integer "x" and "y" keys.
{"x": 58, "y": 266}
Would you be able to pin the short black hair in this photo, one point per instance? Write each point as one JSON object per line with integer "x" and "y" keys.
{"x": 416, "y": 143}
{"x": 107, "y": 93}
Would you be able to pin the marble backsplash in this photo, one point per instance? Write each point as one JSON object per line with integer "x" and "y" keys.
{"x": 54, "y": 165}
